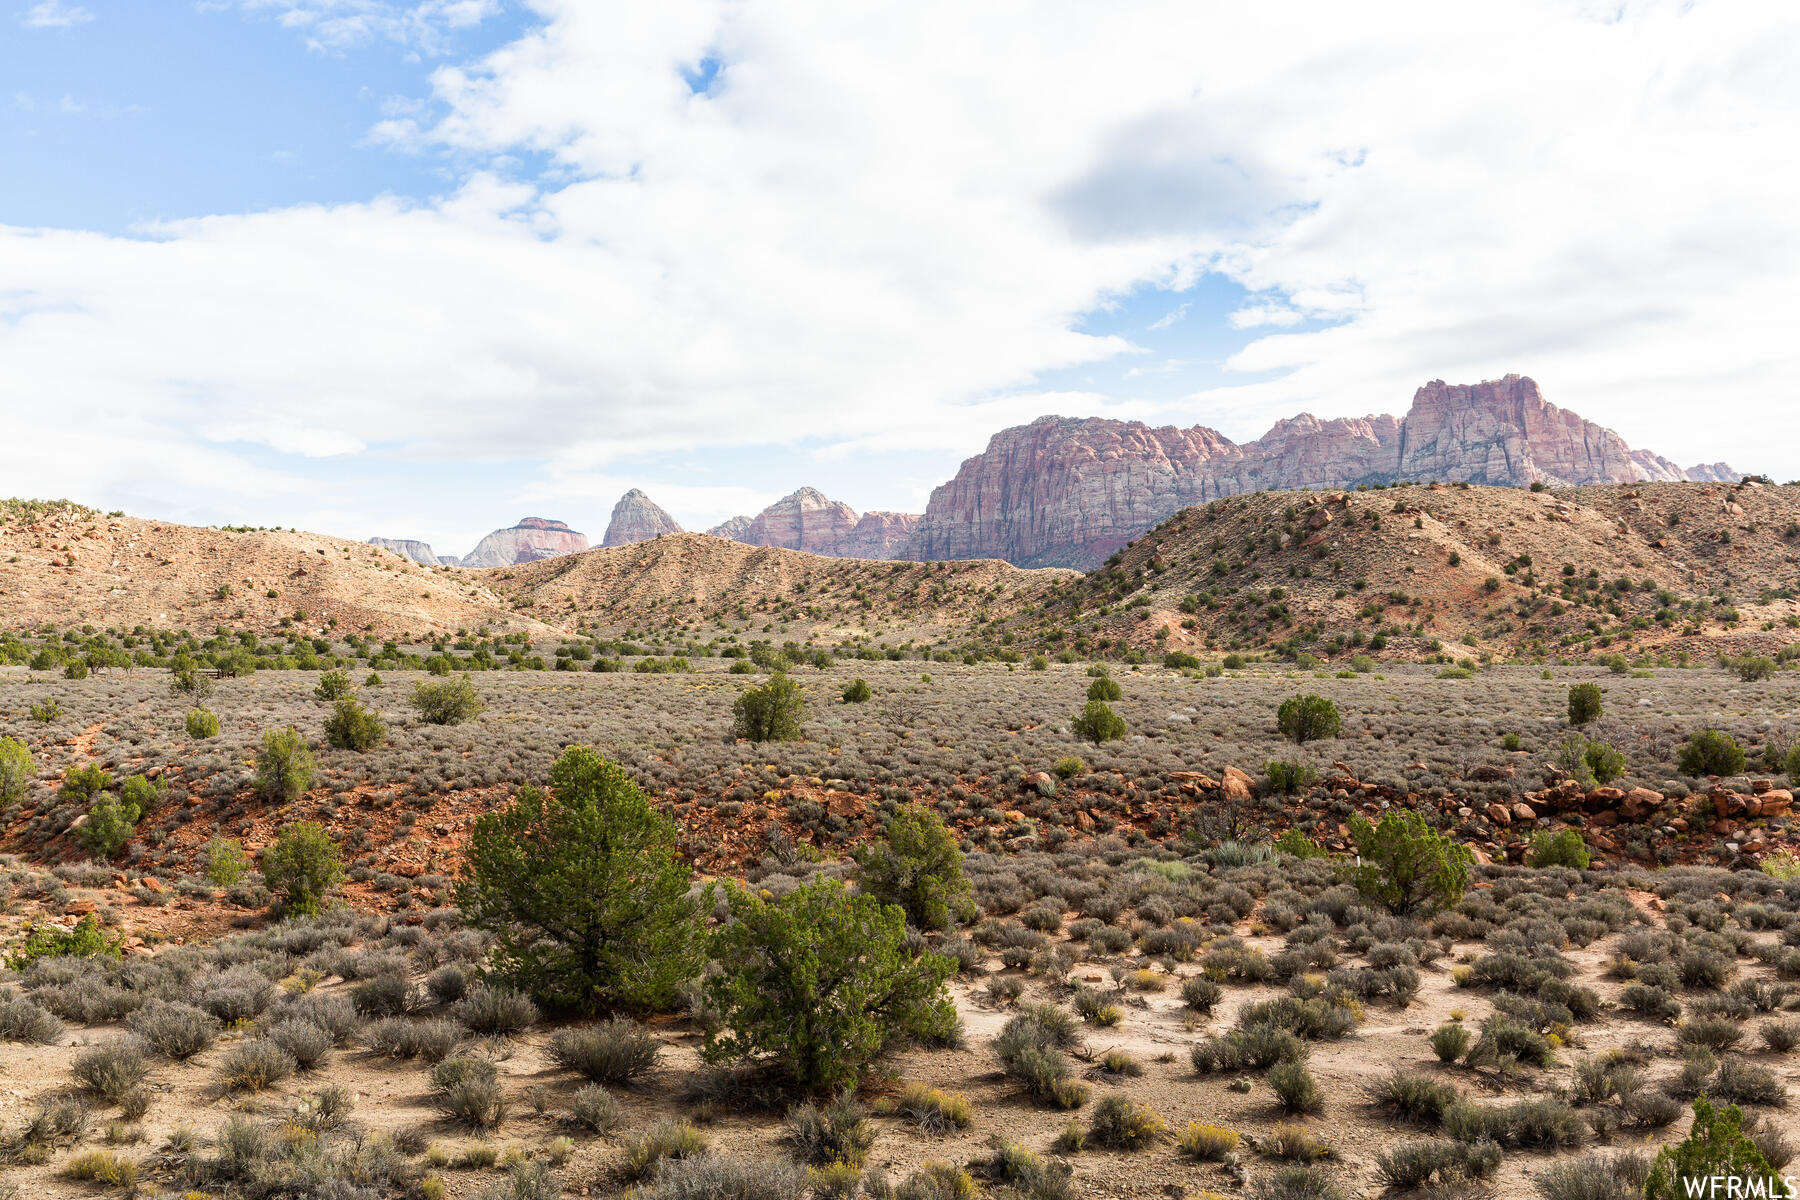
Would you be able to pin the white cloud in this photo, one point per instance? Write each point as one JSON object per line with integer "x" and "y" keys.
{"x": 335, "y": 25}
{"x": 1169, "y": 318}
{"x": 877, "y": 226}
{"x": 55, "y": 14}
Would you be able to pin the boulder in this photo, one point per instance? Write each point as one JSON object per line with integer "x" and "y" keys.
{"x": 1639, "y": 803}
{"x": 1236, "y": 786}
{"x": 1499, "y": 814}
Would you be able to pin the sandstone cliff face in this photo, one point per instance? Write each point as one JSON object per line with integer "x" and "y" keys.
{"x": 637, "y": 518}
{"x": 732, "y": 529}
{"x": 417, "y": 551}
{"x": 531, "y": 539}
{"x": 808, "y": 520}
{"x": 1712, "y": 473}
{"x": 1062, "y": 492}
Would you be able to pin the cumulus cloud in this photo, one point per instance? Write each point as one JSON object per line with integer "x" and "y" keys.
{"x": 876, "y": 228}
{"x": 55, "y": 14}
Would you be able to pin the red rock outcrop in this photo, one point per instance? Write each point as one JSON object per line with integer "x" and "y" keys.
{"x": 1068, "y": 492}
{"x": 531, "y": 539}
{"x": 637, "y": 518}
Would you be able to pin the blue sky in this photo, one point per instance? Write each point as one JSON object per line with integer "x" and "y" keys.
{"x": 422, "y": 267}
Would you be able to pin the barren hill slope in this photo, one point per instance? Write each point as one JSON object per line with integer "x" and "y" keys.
{"x": 709, "y": 578}
{"x": 71, "y": 565}
{"x": 1707, "y": 568}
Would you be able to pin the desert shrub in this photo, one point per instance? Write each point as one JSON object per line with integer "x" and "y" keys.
{"x": 17, "y": 770}
{"x": 1584, "y": 703}
{"x": 1415, "y": 1098}
{"x": 611, "y": 1052}
{"x": 496, "y": 1011}
{"x": 23, "y": 1021}
{"x": 1715, "y": 1033}
{"x": 1303, "y": 719}
{"x": 919, "y": 867}
{"x": 819, "y": 982}
{"x": 593, "y": 1107}
{"x": 1294, "y": 1141}
{"x": 1716, "y": 1156}
{"x": 1450, "y": 1042}
{"x": 178, "y": 1031}
{"x": 728, "y": 1177}
{"x": 936, "y": 1111}
{"x": 86, "y": 940}
{"x": 1098, "y": 723}
{"x": 1200, "y": 993}
{"x": 307, "y": 1044}
{"x": 1743, "y": 1082}
{"x": 112, "y": 1069}
{"x": 384, "y": 996}
{"x": 1780, "y": 1036}
{"x": 1650, "y": 1109}
{"x": 397, "y": 1037}
{"x": 1294, "y": 1181}
{"x": 1096, "y": 1007}
{"x": 1710, "y": 752}
{"x": 1288, "y": 776}
{"x": 1443, "y": 1161}
{"x": 1255, "y": 1048}
{"x": 255, "y": 1065}
{"x": 1067, "y": 767}
{"x": 857, "y": 691}
{"x": 1121, "y": 1123}
{"x": 201, "y": 724}
{"x": 333, "y": 685}
{"x": 1295, "y": 1089}
{"x": 467, "y": 1090}
{"x": 109, "y": 825}
{"x": 1104, "y": 688}
{"x": 1753, "y": 668}
{"x": 1406, "y": 864}
{"x": 1208, "y": 1143}
{"x": 1594, "y": 1177}
{"x": 662, "y": 1142}
{"x": 447, "y": 702}
{"x": 1030, "y": 1049}
{"x": 1561, "y": 849}
{"x": 1650, "y": 1001}
{"x": 284, "y": 766}
{"x": 584, "y": 892}
{"x": 353, "y": 727}
{"x": 102, "y": 1167}
{"x": 300, "y": 866}
{"x": 836, "y": 1131}
{"x": 770, "y": 713}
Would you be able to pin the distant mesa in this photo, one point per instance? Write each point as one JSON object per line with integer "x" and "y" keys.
{"x": 532, "y": 539}
{"x": 732, "y": 529}
{"x": 637, "y": 518}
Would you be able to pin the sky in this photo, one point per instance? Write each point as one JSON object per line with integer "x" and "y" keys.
{"x": 418, "y": 268}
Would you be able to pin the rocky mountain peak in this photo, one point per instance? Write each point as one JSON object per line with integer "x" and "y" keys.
{"x": 533, "y": 538}
{"x": 637, "y": 518}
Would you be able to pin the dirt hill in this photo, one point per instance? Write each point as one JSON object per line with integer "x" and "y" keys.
{"x": 696, "y": 577}
{"x": 70, "y": 565}
{"x": 1706, "y": 568}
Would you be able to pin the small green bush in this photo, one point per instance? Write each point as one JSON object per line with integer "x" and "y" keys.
{"x": 1121, "y": 1123}
{"x": 919, "y": 867}
{"x": 17, "y": 771}
{"x": 1295, "y": 1089}
{"x": 1450, "y": 1042}
{"x": 1303, "y": 719}
{"x": 1069, "y": 766}
{"x": 1406, "y": 864}
{"x": 1104, "y": 688}
{"x": 1297, "y": 844}
{"x": 86, "y": 940}
{"x": 226, "y": 862}
{"x": 1710, "y": 752}
{"x": 450, "y": 702}
{"x": 770, "y": 713}
{"x": 1716, "y": 1155}
{"x": 333, "y": 685}
{"x": 1287, "y": 776}
{"x": 284, "y": 766}
{"x": 1098, "y": 723}
{"x": 353, "y": 727}
{"x": 202, "y": 723}
{"x": 857, "y": 692}
{"x": 1561, "y": 849}
{"x": 300, "y": 866}
{"x": 820, "y": 982}
{"x": 1584, "y": 703}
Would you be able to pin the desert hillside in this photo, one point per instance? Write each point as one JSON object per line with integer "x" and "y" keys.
{"x": 1414, "y": 570}
{"x": 66, "y": 564}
